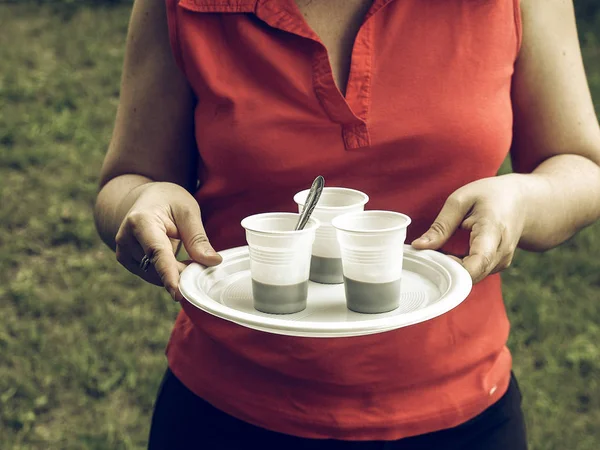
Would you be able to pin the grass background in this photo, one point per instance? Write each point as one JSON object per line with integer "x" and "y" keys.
{"x": 82, "y": 341}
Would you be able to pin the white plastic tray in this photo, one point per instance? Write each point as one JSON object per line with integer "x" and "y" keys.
{"x": 432, "y": 284}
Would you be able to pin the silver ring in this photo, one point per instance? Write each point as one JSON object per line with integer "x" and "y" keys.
{"x": 145, "y": 263}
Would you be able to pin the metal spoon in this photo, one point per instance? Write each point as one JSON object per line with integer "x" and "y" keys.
{"x": 311, "y": 202}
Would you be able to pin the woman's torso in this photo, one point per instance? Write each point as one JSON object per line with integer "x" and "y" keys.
{"x": 426, "y": 110}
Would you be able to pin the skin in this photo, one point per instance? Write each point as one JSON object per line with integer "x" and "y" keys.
{"x": 556, "y": 152}
{"x": 336, "y": 22}
{"x": 144, "y": 205}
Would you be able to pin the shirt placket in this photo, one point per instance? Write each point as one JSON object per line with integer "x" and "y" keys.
{"x": 350, "y": 112}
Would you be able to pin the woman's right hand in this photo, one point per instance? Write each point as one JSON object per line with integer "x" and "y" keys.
{"x": 163, "y": 215}
{"x": 153, "y": 139}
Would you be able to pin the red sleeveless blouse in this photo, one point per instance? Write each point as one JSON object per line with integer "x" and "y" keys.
{"x": 427, "y": 110}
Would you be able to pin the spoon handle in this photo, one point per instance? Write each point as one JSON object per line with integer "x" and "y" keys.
{"x": 311, "y": 202}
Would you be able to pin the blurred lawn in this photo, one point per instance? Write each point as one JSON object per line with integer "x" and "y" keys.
{"x": 82, "y": 341}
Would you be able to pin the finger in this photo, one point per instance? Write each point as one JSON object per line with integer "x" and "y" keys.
{"x": 506, "y": 251}
{"x": 177, "y": 246}
{"x": 129, "y": 253}
{"x": 131, "y": 260}
{"x": 486, "y": 239}
{"x": 136, "y": 251}
{"x": 179, "y": 296}
{"x": 131, "y": 263}
{"x": 158, "y": 248}
{"x": 446, "y": 223}
{"x": 181, "y": 266}
{"x": 455, "y": 258}
{"x": 191, "y": 232}
{"x": 504, "y": 263}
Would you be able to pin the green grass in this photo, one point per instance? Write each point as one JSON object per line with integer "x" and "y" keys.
{"x": 82, "y": 342}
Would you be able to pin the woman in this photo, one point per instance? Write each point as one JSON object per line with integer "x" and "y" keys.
{"x": 230, "y": 107}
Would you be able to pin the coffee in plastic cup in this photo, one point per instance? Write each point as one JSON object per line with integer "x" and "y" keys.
{"x": 372, "y": 249}
{"x": 279, "y": 261}
{"x": 326, "y": 261}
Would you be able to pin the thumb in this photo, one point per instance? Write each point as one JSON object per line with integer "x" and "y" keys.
{"x": 446, "y": 223}
{"x": 192, "y": 234}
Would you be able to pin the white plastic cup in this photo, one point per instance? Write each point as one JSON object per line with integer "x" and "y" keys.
{"x": 372, "y": 249}
{"x": 326, "y": 262}
{"x": 279, "y": 261}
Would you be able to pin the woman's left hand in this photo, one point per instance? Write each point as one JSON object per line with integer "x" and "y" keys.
{"x": 493, "y": 210}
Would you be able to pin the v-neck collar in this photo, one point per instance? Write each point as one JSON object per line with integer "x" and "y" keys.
{"x": 351, "y": 110}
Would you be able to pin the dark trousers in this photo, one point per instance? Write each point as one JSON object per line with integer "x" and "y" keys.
{"x": 182, "y": 420}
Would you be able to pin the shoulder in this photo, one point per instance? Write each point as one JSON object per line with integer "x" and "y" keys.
{"x": 545, "y": 8}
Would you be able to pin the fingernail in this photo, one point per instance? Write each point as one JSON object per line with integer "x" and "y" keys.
{"x": 210, "y": 252}
{"x": 424, "y": 239}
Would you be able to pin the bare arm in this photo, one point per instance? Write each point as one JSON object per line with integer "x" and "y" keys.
{"x": 144, "y": 205}
{"x": 555, "y": 152}
{"x": 153, "y": 134}
{"x": 557, "y": 137}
